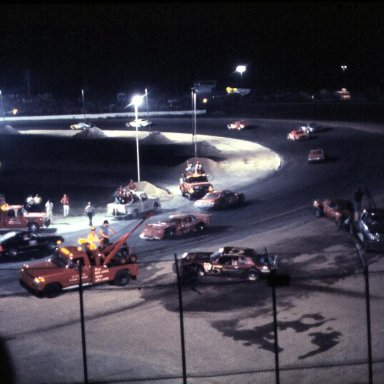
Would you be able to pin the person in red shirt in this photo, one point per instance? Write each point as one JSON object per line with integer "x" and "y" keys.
{"x": 65, "y": 203}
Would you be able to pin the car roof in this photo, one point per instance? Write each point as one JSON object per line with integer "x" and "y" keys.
{"x": 375, "y": 211}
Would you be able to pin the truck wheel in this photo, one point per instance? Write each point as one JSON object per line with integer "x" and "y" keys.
{"x": 253, "y": 275}
{"x": 135, "y": 214}
{"x": 33, "y": 227}
{"x": 156, "y": 207}
{"x": 319, "y": 212}
{"x": 122, "y": 278}
{"x": 199, "y": 271}
{"x": 52, "y": 290}
{"x": 201, "y": 227}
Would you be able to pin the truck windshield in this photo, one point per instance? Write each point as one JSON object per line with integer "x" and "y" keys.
{"x": 197, "y": 179}
{"x": 59, "y": 260}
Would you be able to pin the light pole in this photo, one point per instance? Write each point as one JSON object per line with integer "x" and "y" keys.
{"x": 193, "y": 95}
{"x": 343, "y": 68}
{"x": 82, "y": 98}
{"x": 146, "y": 106}
{"x": 136, "y": 101}
{"x": 1, "y": 105}
{"x": 241, "y": 69}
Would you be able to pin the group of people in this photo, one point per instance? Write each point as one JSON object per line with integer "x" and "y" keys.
{"x": 124, "y": 195}
{"x": 194, "y": 168}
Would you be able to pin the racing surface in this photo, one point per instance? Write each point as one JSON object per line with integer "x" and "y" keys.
{"x": 278, "y": 214}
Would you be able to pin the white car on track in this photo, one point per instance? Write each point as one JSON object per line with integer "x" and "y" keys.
{"x": 138, "y": 123}
{"x": 80, "y": 125}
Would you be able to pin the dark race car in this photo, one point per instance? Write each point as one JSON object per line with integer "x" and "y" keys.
{"x": 228, "y": 261}
{"x": 370, "y": 229}
{"x": 220, "y": 200}
{"x": 24, "y": 245}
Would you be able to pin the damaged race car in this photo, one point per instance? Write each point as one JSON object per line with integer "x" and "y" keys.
{"x": 176, "y": 225}
{"x": 229, "y": 261}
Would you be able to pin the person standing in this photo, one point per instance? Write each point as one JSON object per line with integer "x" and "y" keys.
{"x": 49, "y": 209}
{"x": 105, "y": 233}
{"x": 65, "y": 203}
{"x": 357, "y": 199}
{"x": 93, "y": 239}
{"x": 89, "y": 211}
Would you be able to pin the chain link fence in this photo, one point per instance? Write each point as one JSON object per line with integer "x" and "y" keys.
{"x": 320, "y": 327}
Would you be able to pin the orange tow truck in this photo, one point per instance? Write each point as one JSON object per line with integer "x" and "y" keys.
{"x": 115, "y": 264}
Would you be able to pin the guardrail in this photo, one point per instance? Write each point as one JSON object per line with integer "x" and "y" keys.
{"x": 91, "y": 116}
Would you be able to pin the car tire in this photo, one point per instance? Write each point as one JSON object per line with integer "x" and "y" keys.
{"x": 199, "y": 271}
{"x": 319, "y": 212}
{"x": 169, "y": 233}
{"x": 52, "y": 290}
{"x": 33, "y": 227}
{"x": 122, "y": 278}
{"x": 135, "y": 214}
{"x": 12, "y": 253}
{"x": 253, "y": 275}
{"x": 201, "y": 227}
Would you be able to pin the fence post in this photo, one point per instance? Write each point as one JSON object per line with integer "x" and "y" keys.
{"x": 277, "y": 281}
{"x": 82, "y": 322}
{"x": 368, "y": 312}
{"x": 181, "y": 313}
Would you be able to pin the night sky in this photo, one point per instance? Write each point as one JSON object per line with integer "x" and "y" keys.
{"x": 108, "y": 48}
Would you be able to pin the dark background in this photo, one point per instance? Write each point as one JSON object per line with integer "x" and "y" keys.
{"x": 108, "y": 48}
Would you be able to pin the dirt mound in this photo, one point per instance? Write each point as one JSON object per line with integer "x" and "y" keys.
{"x": 210, "y": 166}
{"x": 8, "y": 130}
{"x": 152, "y": 190}
{"x": 206, "y": 149}
{"x": 156, "y": 138}
{"x": 91, "y": 133}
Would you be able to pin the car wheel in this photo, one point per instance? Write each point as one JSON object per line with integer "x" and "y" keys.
{"x": 201, "y": 227}
{"x": 135, "y": 214}
{"x": 319, "y": 212}
{"x": 122, "y": 278}
{"x": 33, "y": 227}
{"x": 199, "y": 271}
{"x": 156, "y": 207}
{"x": 12, "y": 253}
{"x": 169, "y": 233}
{"x": 52, "y": 290}
{"x": 253, "y": 275}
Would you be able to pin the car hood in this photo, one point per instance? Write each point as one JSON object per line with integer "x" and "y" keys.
{"x": 44, "y": 268}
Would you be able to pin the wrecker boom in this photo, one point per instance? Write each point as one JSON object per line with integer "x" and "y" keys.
{"x": 112, "y": 249}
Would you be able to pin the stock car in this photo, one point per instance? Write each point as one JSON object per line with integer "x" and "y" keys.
{"x": 297, "y": 134}
{"x": 80, "y": 125}
{"x": 228, "y": 261}
{"x": 316, "y": 155}
{"x": 338, "y": 210}
{"x": 220, "y": 200}
{"x": 370, "y": 229}
{"x": 138, "y": 123}
{"x": 176, "y": 225}
{"x": 16, "y": 245}
{"x": 238, "y": 124}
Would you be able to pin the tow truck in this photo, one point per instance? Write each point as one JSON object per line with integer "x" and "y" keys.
{"x": 71, "y": 266}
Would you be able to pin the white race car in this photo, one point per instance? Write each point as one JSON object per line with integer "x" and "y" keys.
{"x": 138, "y": 123}
{"x": 80, "y": 125}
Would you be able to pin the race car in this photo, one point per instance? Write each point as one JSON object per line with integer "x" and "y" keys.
{"x": 176, "y": 225}
{"x": 338, "y": 210}
{"x": 80, "y": 125}
{"x": 229, "y": 261}
{"x": 23, "y": 245}
{"x": 238, "y": 124}
{"x": 220, "y": 200}
{"x": 316, "y": 155}
{"x": 138, "y": 123}
{"x": 297, "y": 134}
